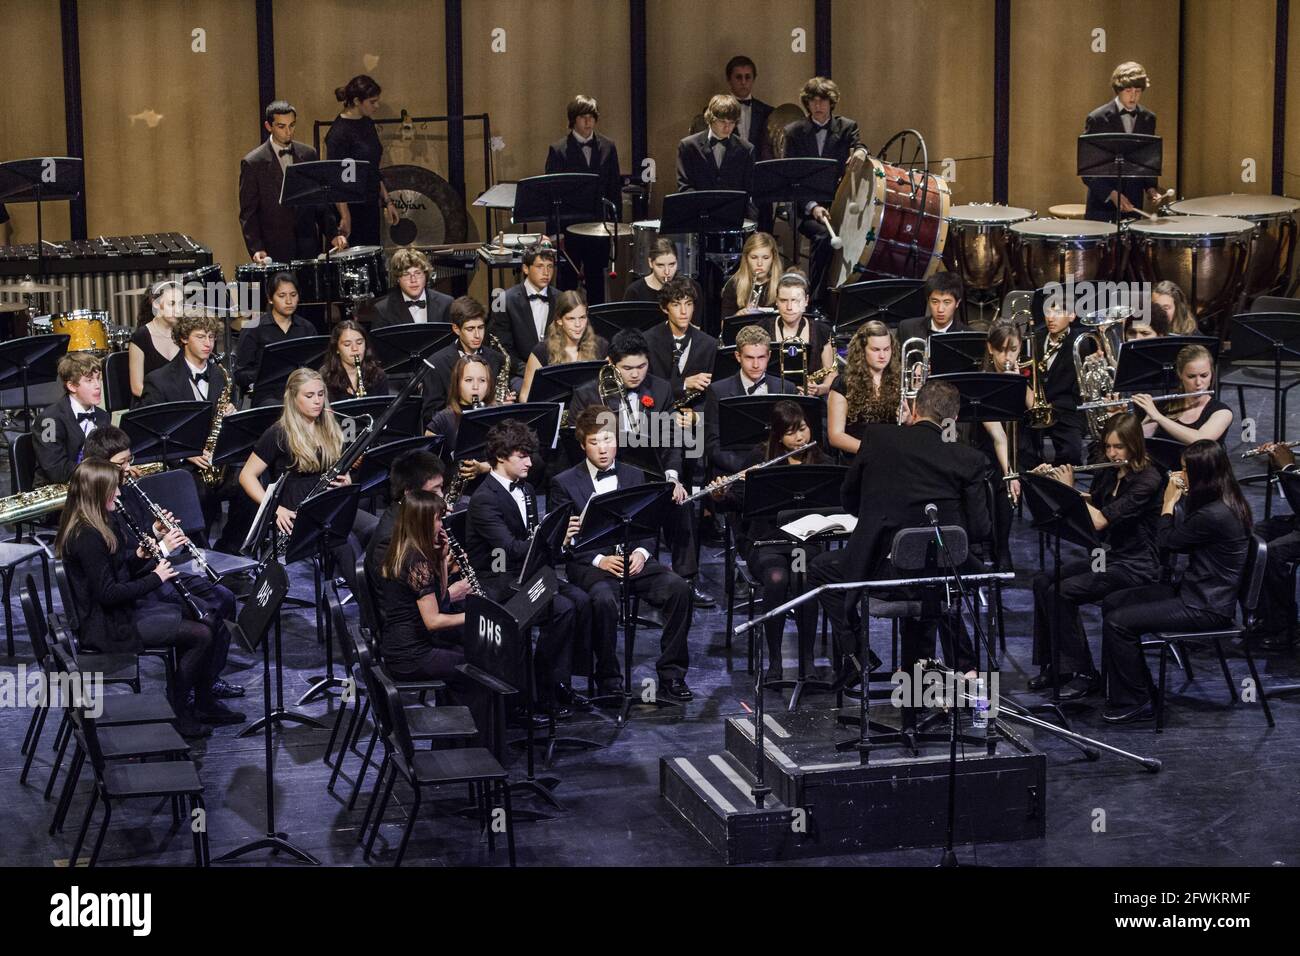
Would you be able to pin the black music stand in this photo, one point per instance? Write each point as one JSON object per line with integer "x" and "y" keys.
{"x": 327, "y": 182}
{"x": 372, "y": 473}
{"x": 616, "y": 517}
{"x": 954, "y": 352}
{"x": 168, "y": 431}
{"x": 1117, "y": 157}
{"x": 559, "y": 200}
{"x": 725, "y": 363}
{"x": 32, "y": 360}
{"x": 610, "y": 318}
{"x": 1166, "y": 452}
{"x": 734, "y": 323}
{"x": 745, "y": 420}
{"x": 785, "y": 493}
{"x": 889, "y": 300}
{"x": 260, "y": 614}
{"x": 796, "y": 180}
{"x": 1060, "y": 512}
{"x": 404, "y": 423}
{"x": 1268, "y": 338}
{"x": 279, "y": 360}
{"x": 240, "y": 433}
{"x": 1147, "y": 365}
{"x": 699, "y": 213}
{"x": 40, "y": 180}
{"x": 400, "y": 349}
{"x": 542, "y": 417}
{"x": 557, "y": 383}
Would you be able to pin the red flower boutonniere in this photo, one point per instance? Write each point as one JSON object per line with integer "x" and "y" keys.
{"x": 647, "y": 402}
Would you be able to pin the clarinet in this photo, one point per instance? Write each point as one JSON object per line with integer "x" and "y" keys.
{"x": 155, "y": 549}
{"x": 462, "y": 562}
{"x": 361, "y": 384}
{"x": 196, "y": 555}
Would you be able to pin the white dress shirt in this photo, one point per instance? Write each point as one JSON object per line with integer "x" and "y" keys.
{"x": 87, "y": 425}
{"x": 286, "y": 160}
{"x": 200, "y": 389}
{"x": 1127, "y": 119}
{"x": 517, "y": 494}
{"x": 601, "y": 487}
{"x": 760, "y": 389}
{"x": 588, "y": 145}
{"x": 541, "y": 309}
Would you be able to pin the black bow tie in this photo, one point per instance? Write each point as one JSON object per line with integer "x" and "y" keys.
{"x": 1128, "y": 112}
{"x": 751, "y": 389}
{"x": 415, "y": 303}
{"x": 607, "y": 473}
{"x": 714, "y": 141}
{"x": 203, "y": 376}
{"x": 285, "y": 152}
{"x": 820, "y": 128}
{"x": 515, "y": 486}
{"x": 538, "y": 296}
{"x": 747, "y": 102}
{"x": 85, "y": 417}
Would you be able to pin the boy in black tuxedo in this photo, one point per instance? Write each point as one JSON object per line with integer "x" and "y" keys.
{"x": 716, "y": 158}
{"x": 468, "y": 320}
{"x": 527, "y": 308}
{"x": 943, "y": 292}
{"x": 1123, "y": 114}
{"x": 61, "y": 428}
{"x": 272, "y": 232}
{"x": 752, "y": 124}
{"x": 411, "y": 299}
{"x": 599, "y": 574}
{"x": 502, "y": 518}
{"x": 821, "y": 134}
{"x": 679, "y": 352}
{"x": 753, "y": 351}
{"x": 586, "y": 151}
{"x": 1054, "y": 353}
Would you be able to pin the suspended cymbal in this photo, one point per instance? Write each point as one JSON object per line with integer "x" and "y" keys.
{"x": 27, "y": 287}
{"x": 13, "y": 306}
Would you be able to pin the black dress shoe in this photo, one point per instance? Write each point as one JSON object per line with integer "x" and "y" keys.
{"x": 568, "y": 697}
{"x": 849, "y": 675}
{"x": 218, "y": 715}
{"x": 189, "y": 728}
{"x": 700, "y": 599}
{"x": 674, "y": 688}
{"x": 773, "y": 674}
{"x": 609, "y": 686}
{"x": 555, "y": 710}
{"x": 1081, "y": 685}
{"x": 222, "y": 689}
{"x": 518, "y": 718}
{"x": 1041, "y": 681}
{"x": 1130, "y": 714}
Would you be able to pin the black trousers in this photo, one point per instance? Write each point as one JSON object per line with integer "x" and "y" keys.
{"x": 1128, "y": 615}
{"x": 917, "y": 634}
{"x": 567, "y": 624}
{"x": 655, "y": 585}
{"x": 819, "y": 258}
{"x": 216, "y": 598}
{"x": 1079, "y": 585}
{"x": 1067, "y": 442}
{"x": 1277, "y": 604}
{"x": 771, "y": 567}
{"x": 591, "y": 255}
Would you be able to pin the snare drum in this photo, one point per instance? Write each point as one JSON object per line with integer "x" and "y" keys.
{"x": 893, "y": 222}
{"x": 205, "y": 289}
{"x": 1207, "y": 256}
{"x": 87, "y": 330}
{"x": 1272, "y": 251}
{"x": 1059, "y": 250}
{"x": 644, "y": 234}
{"x": 313, "y": 279}
{"x": 728, "y": 244}
{"x": 977, "y": 242}
{"x": 254, "y": 282}
{"x": 39, "y": 325}
{"x": 624, "y": 252}
{"x": 359, "y": 273}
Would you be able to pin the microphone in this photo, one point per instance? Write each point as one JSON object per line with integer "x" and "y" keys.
{"x": 932, "y": 512}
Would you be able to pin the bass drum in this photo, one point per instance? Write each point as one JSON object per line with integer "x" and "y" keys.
{"x": 624, "y": 246}
{"x": 1057, "y": 251}
{"x": 644, "y": 234}
{"x": 893, "y": 222}
{"x": 1272, "y": 253}
{"x": 978, "y": 243}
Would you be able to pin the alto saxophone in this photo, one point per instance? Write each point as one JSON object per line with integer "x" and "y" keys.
{"x": 503, "y": 380}
{"x": 212, "y": 476}
{"x": 462, "y": 562}
{"x": 361, "y": 379}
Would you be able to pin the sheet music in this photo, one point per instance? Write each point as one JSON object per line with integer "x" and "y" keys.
{"x": 265, "y": 512}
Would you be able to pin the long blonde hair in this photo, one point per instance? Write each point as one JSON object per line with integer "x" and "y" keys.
{"x": 557, "y": 339}
{"x": 313, "y": 446}
{"x": 745, "y": 278}
{"x": 92, "y": 483}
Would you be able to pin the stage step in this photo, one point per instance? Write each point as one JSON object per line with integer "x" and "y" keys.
{"x": 714, "y": 793}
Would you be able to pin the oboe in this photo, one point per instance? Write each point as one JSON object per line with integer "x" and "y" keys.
{"x": 155, "y": 549}
{"x": 200, "y": 561}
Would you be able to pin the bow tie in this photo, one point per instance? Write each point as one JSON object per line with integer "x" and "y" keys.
{"x": 1128, "y": 112}
{"x": 747, "y": 102}
{"x": 714, "y": 141}
{"x": 415, "y": 303}
{"x": 537, "y": 296}
{"x": 607, "y": 473}
{"x": 203, "y": 376}
{"x": 821, "y": 128}
{"x": 285, "y": 152}
{"x": 85, "y": 417}
{"x": 515, "y": 486}
{"x": 751, "y": 389}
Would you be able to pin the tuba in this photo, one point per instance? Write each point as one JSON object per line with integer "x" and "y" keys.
{"x": 1096, "y": 369}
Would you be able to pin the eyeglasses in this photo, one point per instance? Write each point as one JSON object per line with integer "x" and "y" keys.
{"x": 413, "y": 274}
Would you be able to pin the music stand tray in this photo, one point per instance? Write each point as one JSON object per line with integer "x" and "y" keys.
{"x": 326, "y": 181}
{"x": 557, "y": 383}
{"x": 745, "y": 420}
{"x": 988, "y": 396}
{"x": 732, "y": 324}
{"x": 610, "y": 318}
{"x": 558, "y": 199}
{"x": 171, "y": 430}
{"x": 542, "y": 417}
{"x": 399, "y": 348}
{"x": 404, "y": 423}
{"x": 889, "y": 300}
{"x": 725, "y": 363}
{"x": 1147, "y": 365}
{"x": 31, "y": 360}
{"x": 1268, "y": 339}
{"x": 378, "y": 461}
{"x": 707, "y": 210}
{"x": 240, "y": 433}
{"x": 954, "y": 352}
{"x": 279, "y": 360}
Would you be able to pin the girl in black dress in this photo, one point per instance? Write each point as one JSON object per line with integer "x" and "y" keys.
{"x": 796, "y": 338}
{"x": 751, "y": 288}
{"x": 1189, "y": 419}
{"x": 419, "y": 641}
{"x": 869, "y": 389}
{"x": 113, "y": 589}
{"x": 663, "y": 266}
{"x": 152, "y": 345}
{"x": 348, "y": 346}
{"x": 353, "y": 135}
{"x": 570, "y": 338}
{"x": 472, "y": 386}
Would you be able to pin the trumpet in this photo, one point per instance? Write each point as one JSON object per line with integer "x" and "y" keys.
{"x": 1082, "y": 469}
{"x": 1259, "y": 452}
{"x": 720, "y": 483}
{"x": 1118, "y": 402}
{"x": 916, "y": 365}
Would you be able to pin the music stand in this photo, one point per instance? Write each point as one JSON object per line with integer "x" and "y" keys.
{"x": 1147, "y": 365}
{"x": 373, "y": 471}
{"x": 321, "y": 523}
{"x": 734, "y": 323}
{"x": 400, "y": 349}
{"x": 557, "y": 383}
{"x": 1166, "y": 452}
{"x": 725, "y": 363}
{"x": 327, "y": 182}
{"x": 240, "y": 433}
{"x": 745, "y": 420}
{"x": 1268, "y": 338}
{"x": 610, "y": 318}
{"x": 771, "y": 493}
{"x": 260, "y": 613}
{"x": 32, "y": 360}
{"x": 402, "y": 424}
{"x": 796, "y": 180}
{"x": 41, "y": 179}
{"x": 1119, "y": 156}
{"x": 279, "y": 360}
{"x": 471, "y": 438}
{"x": 700, "y": 213}
{"x": 167, "y": 431}
{"x": 889, "y": 300}
{"x": 954, "y": 352}
{"x": 616, "y": 517}
{"x": 1059, "y": 511}
{"x": 558, "y": 199}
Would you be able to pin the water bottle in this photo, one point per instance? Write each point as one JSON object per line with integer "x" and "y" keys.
{"x": 980, "y": 717}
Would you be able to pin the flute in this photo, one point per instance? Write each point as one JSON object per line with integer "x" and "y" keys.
{"x": 721, "y": 483}
{"x": 1259, "y": 451}
{"x": 1114, "y": 402}
{"x": 1100, "y": 466}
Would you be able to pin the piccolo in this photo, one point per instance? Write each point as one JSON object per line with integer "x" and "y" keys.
{"x": 1100, "y": 466}
{"x": 1116, "y": 402}
{"x": 1260, "y": 451}
{"x": 721, "y": 483}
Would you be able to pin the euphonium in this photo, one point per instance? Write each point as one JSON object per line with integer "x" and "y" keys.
{"x": 27, "y": 505}
{"x": 1096, "y": 371}
{"x": 916, "y": 365}
{"x": 212, "y": 475}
